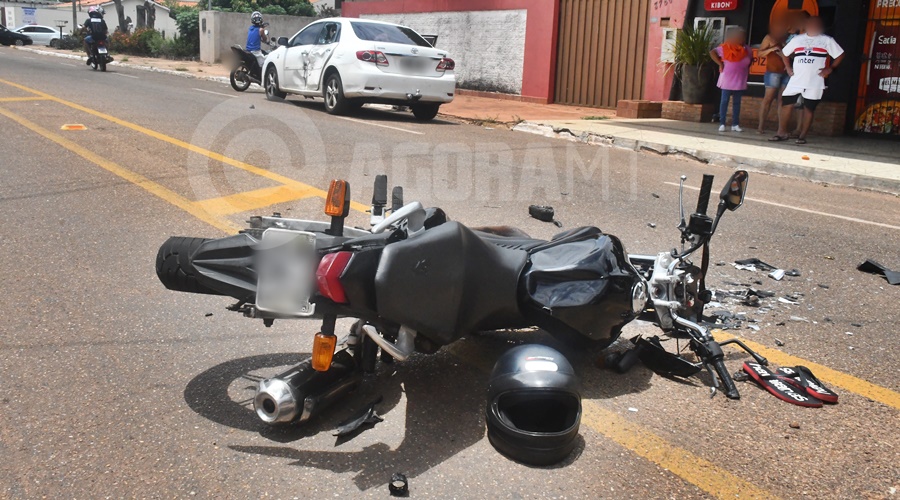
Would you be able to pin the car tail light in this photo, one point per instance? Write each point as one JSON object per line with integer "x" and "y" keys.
{"x": 446, "y": 64}
{"x": 328, "y": 276}
{"x": 373, "y": 56}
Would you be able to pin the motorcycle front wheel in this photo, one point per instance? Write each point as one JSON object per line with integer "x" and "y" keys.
{"x": 240, "y": 80}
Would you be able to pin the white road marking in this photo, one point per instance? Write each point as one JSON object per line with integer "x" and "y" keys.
{"x": 216, "y": 93}
{"x": 67, "y": 64}
{"x": 26, "y": 57}
{"x": 380, "y": 125}
{"x": 127, "y": 76}
{"x": 806, "y": 210}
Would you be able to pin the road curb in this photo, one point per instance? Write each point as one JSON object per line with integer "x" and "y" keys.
{"x": 183, "y": 74}
{"x": 783, "y": 169}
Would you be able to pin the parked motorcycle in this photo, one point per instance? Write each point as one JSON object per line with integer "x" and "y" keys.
{"x": 417, "y": 281}
{"x": 246, "y": 68}
{"x": 99, "y": 56}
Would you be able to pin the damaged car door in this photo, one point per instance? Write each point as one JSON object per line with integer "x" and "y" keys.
{"x": 319, "y": 54}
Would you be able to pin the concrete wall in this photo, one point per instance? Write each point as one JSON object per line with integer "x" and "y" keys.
{"x": 539, "y": 48}
{"x": 657, "y": 75}
{"x": 488, "y": 47}
{"x": 220, "y": 30}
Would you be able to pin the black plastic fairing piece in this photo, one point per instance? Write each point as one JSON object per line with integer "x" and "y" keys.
{"x": 581, "y": 281}
{"x": 396, "y": 198}
{"x": 655, "y": 357}
{"x": 226, "y": 265}
{"x": 446, "y": 282}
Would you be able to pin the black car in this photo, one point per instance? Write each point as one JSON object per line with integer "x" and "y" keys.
{"x": 8, "y": 37}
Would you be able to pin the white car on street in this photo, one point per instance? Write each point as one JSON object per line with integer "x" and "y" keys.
{"x": 41, "y": 35}
{"x": 350, "y": 62}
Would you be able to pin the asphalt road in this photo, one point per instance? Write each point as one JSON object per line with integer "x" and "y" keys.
{"x": 112, "y": 386}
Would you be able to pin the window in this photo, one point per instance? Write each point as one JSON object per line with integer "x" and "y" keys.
{"x": 307, "y": 36}
{"x": 375, "y": 32}
{"x": 331, "y": 33}
{"x": 44, "y": 30}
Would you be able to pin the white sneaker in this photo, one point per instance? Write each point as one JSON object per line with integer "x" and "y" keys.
{"x": 737, "y": 128}
{"x": 721, "y": 128}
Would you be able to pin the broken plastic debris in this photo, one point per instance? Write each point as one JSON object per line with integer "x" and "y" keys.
{"x": 354, "y": 423}
{"x": 651, "y": 224}
{"x": 800, "y": 319}
{"x": 777, "y": 274}
{"x": 793, "y": 272}
{"x": 756, "y": 263}
{"x": 632, "y": 409}
{"x": 873, "y": 267}
{"x": 786, "y": 301}
{"x": 849, "y": 333}
{"x": 753, "y": 327}
{"x": 779, "y": 342}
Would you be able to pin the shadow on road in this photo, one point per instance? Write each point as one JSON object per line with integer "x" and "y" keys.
{"x": 369, "y": 113}
{"x": 444, "y": 411}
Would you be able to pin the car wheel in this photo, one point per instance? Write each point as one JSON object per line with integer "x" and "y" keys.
{"x": 335, "y": 102}
{"x": 240, "y": 81}
{"x": 272, "y": 91}
{"x": 54, "y": 43}
{"x": 19, "y": 43}
{"x": 425, "y": 112}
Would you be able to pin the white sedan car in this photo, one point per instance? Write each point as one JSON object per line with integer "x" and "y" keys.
{"x": 42, "y": 35}
{"x": 350, "y": 62}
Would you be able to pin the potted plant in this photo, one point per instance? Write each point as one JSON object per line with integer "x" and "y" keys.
{"x": 693, "y": 64}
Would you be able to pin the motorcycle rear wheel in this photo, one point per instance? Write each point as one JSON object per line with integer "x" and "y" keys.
{"x": 174, "y": 267}
{"x": 240, "y": 80}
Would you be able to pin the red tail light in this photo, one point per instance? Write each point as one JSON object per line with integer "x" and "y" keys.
{"x": 328, "y": 276}
{"x": 373, "y": 56}
{"x": 446, "y": 64}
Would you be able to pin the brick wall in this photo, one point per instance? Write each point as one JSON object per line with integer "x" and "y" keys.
{"x": 638, "y": 109}
{"x": 678, "y": 110}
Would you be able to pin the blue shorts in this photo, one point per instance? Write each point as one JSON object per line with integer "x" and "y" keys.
{"x": 89, "y": 39}
{"x": 775, "y": 80}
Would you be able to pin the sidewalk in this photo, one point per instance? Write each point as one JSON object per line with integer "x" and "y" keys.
{"x": 849, "y": 161}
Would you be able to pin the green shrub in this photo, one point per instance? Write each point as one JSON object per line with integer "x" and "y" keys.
{"x": 72, "y": 42}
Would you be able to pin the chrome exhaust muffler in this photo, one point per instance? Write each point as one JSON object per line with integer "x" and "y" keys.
{"x": 299, "y": 394}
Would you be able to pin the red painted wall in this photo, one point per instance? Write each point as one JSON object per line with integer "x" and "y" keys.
{"x": 539, "y": 70}
{"x": 658, "y": 76}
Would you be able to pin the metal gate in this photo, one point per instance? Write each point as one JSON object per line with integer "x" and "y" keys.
{"x": 878, "y": 100}
{"x": 601, "y": 52}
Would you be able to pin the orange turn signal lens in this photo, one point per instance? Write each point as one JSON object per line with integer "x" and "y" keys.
{"x": 336, "y": 203}
{"x": 323, "y": 351}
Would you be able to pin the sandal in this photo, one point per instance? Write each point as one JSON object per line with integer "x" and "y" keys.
{"x": 779, "y": 388}
{"x": 800, "y": 141}
{"x": 803, "y": 378}
{"x": 778, "y": 138}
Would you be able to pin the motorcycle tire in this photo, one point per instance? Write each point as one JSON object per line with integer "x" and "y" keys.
{"x": 243, "y": 83}
{"x": 174, "y": 268}
{"x": 103, "y": 66}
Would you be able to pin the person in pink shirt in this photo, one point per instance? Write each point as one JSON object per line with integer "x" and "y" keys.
{"x": 733, "y": 57}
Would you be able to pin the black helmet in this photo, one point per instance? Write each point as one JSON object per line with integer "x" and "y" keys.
{"x": 534, "y": 405}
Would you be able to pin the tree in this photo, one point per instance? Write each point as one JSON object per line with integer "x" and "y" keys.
{"x": 120, "y": 13}
{"x": 327, "y": 12}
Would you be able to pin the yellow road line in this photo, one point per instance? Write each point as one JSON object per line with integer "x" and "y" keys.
{"x": 186, "y": 145}
{"x": 20, "y": 99}
{"x": 134, "y": 178}
{"x": 698, "y": 471}
{"x": 849, "y": 382}
{"x": 251, "y": 200}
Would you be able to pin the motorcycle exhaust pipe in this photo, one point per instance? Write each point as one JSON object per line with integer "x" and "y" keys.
{"x": 299, "y": 394}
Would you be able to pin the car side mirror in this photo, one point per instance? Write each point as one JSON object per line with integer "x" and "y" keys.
{"x": 281, "y": 41}
{"x": 733, "y": 193}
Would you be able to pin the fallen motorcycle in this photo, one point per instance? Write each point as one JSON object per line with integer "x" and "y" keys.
{"x": 416, "y": 281}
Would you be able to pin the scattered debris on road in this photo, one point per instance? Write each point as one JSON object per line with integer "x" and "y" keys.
{"x": 367, "y": 416}
{"x": 873, "y": 267}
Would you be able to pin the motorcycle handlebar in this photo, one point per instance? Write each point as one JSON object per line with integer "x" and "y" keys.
{"x": 727, "y": 382}
{"x": 705, "y": 190}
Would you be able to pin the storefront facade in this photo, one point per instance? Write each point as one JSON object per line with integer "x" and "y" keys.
{"x": 863, "y": 95}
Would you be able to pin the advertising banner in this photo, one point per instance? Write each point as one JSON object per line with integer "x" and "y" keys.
{"x": 878, "y": 109}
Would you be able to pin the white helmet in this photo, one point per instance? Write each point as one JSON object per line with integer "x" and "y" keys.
{"x": 256, "y": 18}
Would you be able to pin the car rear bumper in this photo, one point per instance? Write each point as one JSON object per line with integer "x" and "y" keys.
{"x": 383, "y": 87}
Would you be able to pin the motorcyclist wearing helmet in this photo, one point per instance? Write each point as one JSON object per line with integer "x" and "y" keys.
{"x": 256, "y": 35}
{"x": 96, "y": 30}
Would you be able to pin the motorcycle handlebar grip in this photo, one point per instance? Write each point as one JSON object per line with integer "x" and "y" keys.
{"x": 705, "y": 190}
{"x": 727, "y": 382}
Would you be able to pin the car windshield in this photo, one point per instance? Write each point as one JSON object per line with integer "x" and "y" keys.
{"x": 375, "y": 32}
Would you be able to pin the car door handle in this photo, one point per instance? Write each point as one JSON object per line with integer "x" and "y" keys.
{"x": 304, "y": 53}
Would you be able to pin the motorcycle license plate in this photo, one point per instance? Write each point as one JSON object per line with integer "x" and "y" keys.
{"x": 101, "y": 50}
{"x": 286, "y": 263}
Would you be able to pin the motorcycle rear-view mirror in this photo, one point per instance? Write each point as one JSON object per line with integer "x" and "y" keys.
{"x": 733, "y": 193}
{"x": 281, "y": 41}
